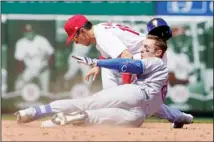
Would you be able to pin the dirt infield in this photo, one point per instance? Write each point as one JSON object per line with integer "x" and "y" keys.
{"x": 11, "y": 131}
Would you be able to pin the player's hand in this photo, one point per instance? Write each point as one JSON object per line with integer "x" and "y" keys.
{"x": 85, "y": 60}
{"x": 93, "y": 72}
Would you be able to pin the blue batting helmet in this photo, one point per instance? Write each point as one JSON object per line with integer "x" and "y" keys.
{"x": 159, "y": 27}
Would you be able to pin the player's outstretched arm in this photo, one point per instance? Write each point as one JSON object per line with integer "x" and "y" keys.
{"x": 119, "y": 64}
{"x": 122, "y": 65}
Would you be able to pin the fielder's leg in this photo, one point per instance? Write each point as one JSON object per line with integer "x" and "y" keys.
{"x": 110, "y": 78}
{"x": 84, "y": 69}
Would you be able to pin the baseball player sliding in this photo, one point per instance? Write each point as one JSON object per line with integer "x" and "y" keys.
{"x": 123, "y": 105}
{"x": 113, "y": 40}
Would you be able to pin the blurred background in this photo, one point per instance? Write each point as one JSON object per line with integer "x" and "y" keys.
{"x": 33, "y": 77}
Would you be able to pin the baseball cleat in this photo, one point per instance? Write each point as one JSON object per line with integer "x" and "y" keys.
{"x": 62, "y": 118}
{"x": 24, "y": 116}
{"x": 186, "y": 119}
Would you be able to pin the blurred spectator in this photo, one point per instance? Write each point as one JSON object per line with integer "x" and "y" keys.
{"x": 3, "y": 81}
{"x": 34, "y": 51}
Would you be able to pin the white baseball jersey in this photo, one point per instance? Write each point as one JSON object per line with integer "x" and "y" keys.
{"x": 34, "y": 53}
{"x": 112, "y": 39}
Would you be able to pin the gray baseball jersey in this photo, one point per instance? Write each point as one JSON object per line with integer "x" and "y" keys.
{"x": 154, "y": 77}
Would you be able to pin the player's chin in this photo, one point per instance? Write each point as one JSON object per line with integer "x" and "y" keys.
{"x": 87, "y": 44}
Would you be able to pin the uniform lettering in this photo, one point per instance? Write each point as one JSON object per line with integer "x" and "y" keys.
{"x": 122, "y": 27}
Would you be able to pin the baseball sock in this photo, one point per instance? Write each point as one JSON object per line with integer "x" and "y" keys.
{"x": 42, "y": 111}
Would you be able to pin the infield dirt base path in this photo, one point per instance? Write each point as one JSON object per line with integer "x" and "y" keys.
{"x": 11, "y": 131}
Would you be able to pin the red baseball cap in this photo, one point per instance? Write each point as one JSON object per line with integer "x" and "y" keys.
{"x": 73, "y": 24}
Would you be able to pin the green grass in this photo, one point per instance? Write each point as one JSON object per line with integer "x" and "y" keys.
{"x": 152, "y": 119}
{"x": 196, "y": 120}
{"x": 8, "y": 117}
{"x": 11, "y": 117}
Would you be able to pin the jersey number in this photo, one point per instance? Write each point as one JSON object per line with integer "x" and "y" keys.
{"x": 164, "y": 91}
{"x": 122, "y": 27}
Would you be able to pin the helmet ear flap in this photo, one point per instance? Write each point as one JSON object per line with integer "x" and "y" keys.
{"x": 159, "y": 27}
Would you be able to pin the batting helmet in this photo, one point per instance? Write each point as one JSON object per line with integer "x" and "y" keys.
{"x": 159, "y": 27}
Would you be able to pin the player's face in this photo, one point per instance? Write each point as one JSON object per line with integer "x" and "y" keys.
{"x": 29, "y": 35}
{"x": 149, "y": 49}
{"x": 82, "y": 38}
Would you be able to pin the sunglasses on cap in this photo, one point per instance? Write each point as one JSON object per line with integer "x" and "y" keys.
{"x": 76, "y": 35}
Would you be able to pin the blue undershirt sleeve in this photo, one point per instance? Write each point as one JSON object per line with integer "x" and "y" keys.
{"x": 123, "y": 65}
